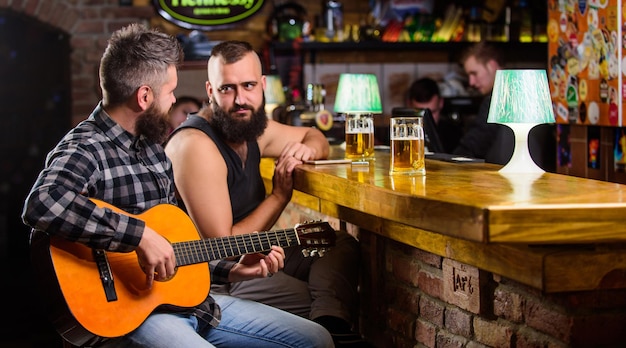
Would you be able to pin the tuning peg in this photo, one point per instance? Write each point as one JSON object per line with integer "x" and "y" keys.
{"x": 321, "y": 252}
{"x": 306, "y": 253}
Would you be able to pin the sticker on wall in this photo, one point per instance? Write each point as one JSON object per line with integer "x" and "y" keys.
{"x": 582, "y": 113}
{"x": 563, "y": 22}
{"x": 572, "y": 100}
{"x": 582, "y": 6}
{"x": 582, "y": 90}
{"x": 553, "y": 30}
{"x": 592, "y": 18}
{"x": 593, "y": 113}
{"x": 613, "y": 112}
{"x": 561, "y": 112}
{"x": 324, "y": 120}
{"x": 604, "y": 91}
{"x": 598, "y": 3}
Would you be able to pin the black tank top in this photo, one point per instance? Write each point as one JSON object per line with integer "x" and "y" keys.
{"x": 245, "y": 184}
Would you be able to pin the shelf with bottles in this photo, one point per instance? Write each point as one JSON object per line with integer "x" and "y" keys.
{"x": 531, "y": 51}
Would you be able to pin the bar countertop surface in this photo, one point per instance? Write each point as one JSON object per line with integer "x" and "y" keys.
{"x": 551, "y": 231}
{"x": 473, "y": 201}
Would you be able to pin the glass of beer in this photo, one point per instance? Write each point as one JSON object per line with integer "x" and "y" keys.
{"x": 407, "y": 146}
{"x": 359, "y": 136}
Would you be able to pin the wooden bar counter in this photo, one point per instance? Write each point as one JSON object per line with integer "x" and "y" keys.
{"x": 466, "y": 257}
{"x": 543, "y": 231}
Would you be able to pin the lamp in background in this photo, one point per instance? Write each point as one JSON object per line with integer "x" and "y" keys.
{"x": 358, "y": 97}
{"x": 521, "y": 100}
{"x": 274, "y": 94}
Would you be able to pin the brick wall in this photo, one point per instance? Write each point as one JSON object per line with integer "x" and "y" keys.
{"x": 90, "y": 24}
{"x": 413, "y": 298}
{"x": 415, "y": 308}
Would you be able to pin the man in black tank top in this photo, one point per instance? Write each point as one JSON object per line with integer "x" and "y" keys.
{"x": 216, "y": 154}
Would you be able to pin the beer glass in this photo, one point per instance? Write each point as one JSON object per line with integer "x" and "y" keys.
{"x": 407, "y": 146}
{"x": 359, "y": 136}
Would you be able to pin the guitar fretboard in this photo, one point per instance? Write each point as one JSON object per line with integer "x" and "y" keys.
{"x": 205, "y": 250}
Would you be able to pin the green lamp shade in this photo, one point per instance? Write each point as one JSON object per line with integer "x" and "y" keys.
{"x": 521, "y": 96}
{"x": 358, "y": 93}
{"x": 274, "y": 93}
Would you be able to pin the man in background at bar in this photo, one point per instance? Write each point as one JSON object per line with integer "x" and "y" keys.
{"x": 424, "y": 93}
{"x": 489, "y": 141}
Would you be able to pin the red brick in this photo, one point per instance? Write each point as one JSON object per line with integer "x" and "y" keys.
{"x": 508, "y": 305}
{"x": 430, "y": 282}
{"x": 458, "y": 321}
{"x": 426, "y": 257}
{"x": 407, "y": 299}
{"x": 425, "y": 333}
{"x": 492, "y": 333}
{"x": 401, "y": 322}
{"x": 431, "y": 310}
{"x": 90, "y": 27}
{"x": 447, "y": 340}
{"x": 405, "y": 269}
{"x": 545, "y": 318}
{"x": 529, "y": 338}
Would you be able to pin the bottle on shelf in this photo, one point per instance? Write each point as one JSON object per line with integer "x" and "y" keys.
{"x": 526, "y": 22}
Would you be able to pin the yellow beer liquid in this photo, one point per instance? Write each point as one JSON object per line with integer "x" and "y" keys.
{"x": 359, "y": 145}
{"x": 407, "y": 156}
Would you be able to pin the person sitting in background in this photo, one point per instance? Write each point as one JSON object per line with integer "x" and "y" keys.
{"x": 489, "y": 141}
{"x": 183, "y": 106}
{"x": 424, "y": 93}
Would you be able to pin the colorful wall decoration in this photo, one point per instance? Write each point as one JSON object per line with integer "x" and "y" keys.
{"x": 586, "y": 49}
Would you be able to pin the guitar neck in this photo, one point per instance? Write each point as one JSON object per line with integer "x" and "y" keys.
{"x": 205, "y": 250}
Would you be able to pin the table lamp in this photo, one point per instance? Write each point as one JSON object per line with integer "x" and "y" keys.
{"x": 274, "y": 94}
{"x": 521, "y": 100}
{"x": 358, "y": 98}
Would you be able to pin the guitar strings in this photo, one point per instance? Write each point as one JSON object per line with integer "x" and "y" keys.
{"x": 196, "y": 251}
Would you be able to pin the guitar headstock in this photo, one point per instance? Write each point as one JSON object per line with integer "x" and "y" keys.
{"x": 316, "y": 237}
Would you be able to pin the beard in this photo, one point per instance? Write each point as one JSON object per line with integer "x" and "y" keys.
{"x": 235, "y": 130}
{"x": 153, "y": 124}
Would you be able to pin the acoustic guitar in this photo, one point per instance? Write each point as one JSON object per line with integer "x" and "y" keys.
{"x": 93, "y": 293}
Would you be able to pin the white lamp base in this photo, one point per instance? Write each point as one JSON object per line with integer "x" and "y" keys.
{"x": 521, "y": 161}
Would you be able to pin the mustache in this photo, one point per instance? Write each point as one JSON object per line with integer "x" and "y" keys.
{"x": 238, "y": 107}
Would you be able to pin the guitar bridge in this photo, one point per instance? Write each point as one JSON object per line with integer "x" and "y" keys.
{"x": 106, "y": 277}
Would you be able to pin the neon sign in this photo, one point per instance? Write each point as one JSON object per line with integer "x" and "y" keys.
{"x": 207, "y": 14}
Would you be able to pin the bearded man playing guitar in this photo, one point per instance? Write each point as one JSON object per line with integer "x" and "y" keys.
{"x": 109, "y": 261}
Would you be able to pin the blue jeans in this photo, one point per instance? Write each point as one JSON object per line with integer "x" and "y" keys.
{"x": 244, "y": 324}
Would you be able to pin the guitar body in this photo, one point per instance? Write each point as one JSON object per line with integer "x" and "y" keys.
{"x": 85, "y": 307}
{"x": 78, "y": 279}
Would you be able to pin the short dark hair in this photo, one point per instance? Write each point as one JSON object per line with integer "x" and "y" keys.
{"x": 483, "y": 52}
{"x": 231, "y": 51}
{"x": 136, "y": 56}
{"x": 188, "y": 99}
{"x": 423, "y": 90}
